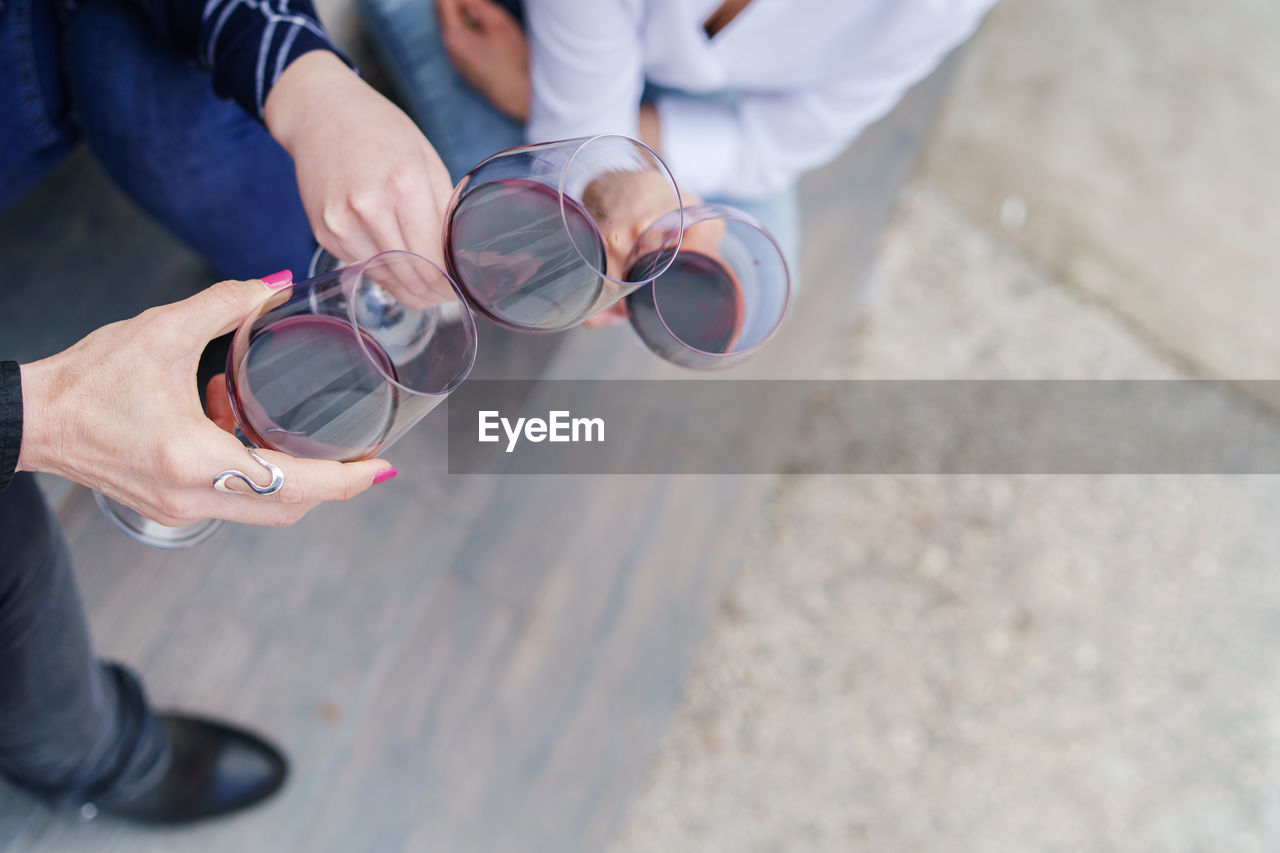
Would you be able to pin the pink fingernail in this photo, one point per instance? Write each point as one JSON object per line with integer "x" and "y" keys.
{"x": 384, "y": 475}
{"x": 277, "y": 280}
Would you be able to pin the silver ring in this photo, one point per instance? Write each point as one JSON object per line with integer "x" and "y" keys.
{"x": 277, "y": 477}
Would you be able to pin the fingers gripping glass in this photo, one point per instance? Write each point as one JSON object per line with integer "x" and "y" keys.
{"x": 721, "y": 298}
{"x": 337, "y": 367}
{"x": 538, "y": 237}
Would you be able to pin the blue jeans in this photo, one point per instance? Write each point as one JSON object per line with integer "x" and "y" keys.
{"x": 73, "y": 728}
{"x": 206, "y": 171}
{"x": 465, "y": 128}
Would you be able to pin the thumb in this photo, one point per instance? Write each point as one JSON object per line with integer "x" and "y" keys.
{"x": 219, "y": 309}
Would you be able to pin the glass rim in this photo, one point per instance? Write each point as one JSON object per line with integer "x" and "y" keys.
{"x": 583, "y": 142}
{"x": 313, "y": 267}
{"x": 732, "y": 214}
{"x": 359, "y": 270}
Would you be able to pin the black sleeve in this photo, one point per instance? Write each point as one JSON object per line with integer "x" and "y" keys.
{"x": 10, "y": 420}
{"x": 247, "y": 44}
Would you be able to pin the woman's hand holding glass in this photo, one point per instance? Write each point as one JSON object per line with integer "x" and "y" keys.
{"x": 645, "y": 208}
{"x": 370, "y": 181}
{"x": 119, "y": 412}
{"x": 541, "y": 237}
{"x": 337, "y": 368}
{"x": 725, "y": 295}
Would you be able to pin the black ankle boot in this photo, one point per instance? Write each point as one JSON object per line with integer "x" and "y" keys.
{"x": 214, "y": 769}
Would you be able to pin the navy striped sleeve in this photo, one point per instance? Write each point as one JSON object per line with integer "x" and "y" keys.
{"x": 247, "y": 44}
{"x": 10, "y": 420}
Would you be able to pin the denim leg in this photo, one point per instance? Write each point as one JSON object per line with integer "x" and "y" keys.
{"x": 780, "y": 216}
{"x": 461, "y": 124}
{"x": 203, "y": 168}
{"x": 71, "y": 728}
{"x": 34, "y": 132}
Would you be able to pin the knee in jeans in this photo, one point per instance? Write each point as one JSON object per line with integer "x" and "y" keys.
{"x": 134, "y": 93}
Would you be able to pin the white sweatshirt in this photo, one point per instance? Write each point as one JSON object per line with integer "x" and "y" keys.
{"x": 804, "y": 77}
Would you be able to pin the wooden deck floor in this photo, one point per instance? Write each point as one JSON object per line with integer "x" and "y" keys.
{"x": 453, "y": 663}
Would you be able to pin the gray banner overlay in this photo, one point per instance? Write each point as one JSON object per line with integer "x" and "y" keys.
{"x": 717, "y": 426}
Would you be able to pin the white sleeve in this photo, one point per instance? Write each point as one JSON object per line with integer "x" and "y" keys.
{"x": 586, "y": 68}
{"x": 760, "y": 144}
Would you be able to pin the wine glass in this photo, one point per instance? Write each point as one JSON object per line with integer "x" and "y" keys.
{"x": 337, "y": 367}
{"x": 721, "y": 298}
{"x": 537, "y": 237}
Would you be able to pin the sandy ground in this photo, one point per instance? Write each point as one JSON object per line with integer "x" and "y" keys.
{"x": 1024, "y": 663}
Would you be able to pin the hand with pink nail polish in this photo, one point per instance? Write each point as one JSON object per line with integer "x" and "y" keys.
{"x": 370, "y": 181}
{"x": 119, "y": 412}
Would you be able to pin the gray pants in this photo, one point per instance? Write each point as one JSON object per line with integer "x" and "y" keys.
{"x": 72, "y": 729}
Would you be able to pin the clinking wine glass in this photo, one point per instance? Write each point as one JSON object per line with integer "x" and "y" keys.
{"x": 538, "y": 237}
{"x": 337, "y": 367}
{"x": 721, "y": 298}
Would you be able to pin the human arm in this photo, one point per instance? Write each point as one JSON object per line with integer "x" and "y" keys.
{"x": 586, "y": 76}
{"x": 246, "y": 46}
{"x": 586, "y": 67}
{"x": 119, "y": 412}
{"x": 10, "y": 420}
{"x": 369, "y": 180}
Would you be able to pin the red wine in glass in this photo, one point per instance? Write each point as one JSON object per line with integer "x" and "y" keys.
{"x": 520, "y": 260}
{"x": 308, "y": 387}
{"x": 702, "y": 306}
